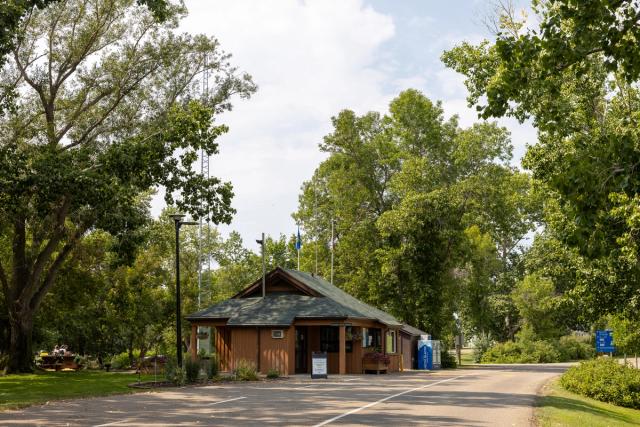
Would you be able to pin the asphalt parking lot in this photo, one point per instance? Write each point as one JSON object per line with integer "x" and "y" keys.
{"x": 485, "y": 396}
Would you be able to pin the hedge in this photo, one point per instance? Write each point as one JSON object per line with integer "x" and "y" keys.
{"x": 606, "y": 380}
{"x": 541, "y": 351}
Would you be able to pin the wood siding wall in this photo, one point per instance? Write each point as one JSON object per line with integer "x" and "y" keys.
{"x": 277, "y": 353}
{"x": 408, "y": 346}
{"x": 234, "y": 344}
{"x": 394, "y": 365}
{"x": 222, "y": 342}
{"x": 354, "y": 359}
{"x": 245, "y": 346}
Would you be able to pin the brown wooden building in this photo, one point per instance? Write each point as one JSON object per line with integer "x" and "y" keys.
{"x": 300, "y": 314}
{"x": 409, "y": 337}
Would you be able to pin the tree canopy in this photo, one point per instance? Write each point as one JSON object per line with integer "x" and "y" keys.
{"x": 402, "y": 189}
{"x": 107, "y": 111}
{"x": 576, "y": 78}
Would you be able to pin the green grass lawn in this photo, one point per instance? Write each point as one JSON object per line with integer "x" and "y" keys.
{"x": 466, "y": 356}
{"x": 17, "y": 391}
{"x": 559, "y": 407}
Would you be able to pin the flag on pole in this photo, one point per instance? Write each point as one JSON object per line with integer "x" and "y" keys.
{"x": 298, "y": 240}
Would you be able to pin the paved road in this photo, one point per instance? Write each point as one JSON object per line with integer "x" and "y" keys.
{"x": 495, "y": 395}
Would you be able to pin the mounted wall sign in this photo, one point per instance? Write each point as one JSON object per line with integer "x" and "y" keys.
{"x": 318, "y": 364}
{"x": 277, "y": 333}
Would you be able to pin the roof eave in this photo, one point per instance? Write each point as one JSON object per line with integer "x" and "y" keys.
{"x": 216, "y": 319}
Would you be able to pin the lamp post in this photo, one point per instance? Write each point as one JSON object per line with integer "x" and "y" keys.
{"x": 178, "y": 221}
{"x": 264, "y": 268}
{"x": 458, "y": 338}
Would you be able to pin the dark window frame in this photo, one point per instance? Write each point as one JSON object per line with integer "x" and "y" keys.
{"x": 376, "y": 341}
{"x": 329, "y": 337}
{"x": 330, "y": 340}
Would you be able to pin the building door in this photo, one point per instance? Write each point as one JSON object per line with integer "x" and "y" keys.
{"x": 301, "y": 350}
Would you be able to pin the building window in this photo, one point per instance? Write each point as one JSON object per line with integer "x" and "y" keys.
{"x": 371, "y": 337}
{"x": 329, "y": 339}
{"x": 391, "y": 342}
{"x": 349, "y": 339}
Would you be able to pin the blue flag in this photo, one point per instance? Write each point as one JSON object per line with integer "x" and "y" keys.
{"x": 298, "y": 241}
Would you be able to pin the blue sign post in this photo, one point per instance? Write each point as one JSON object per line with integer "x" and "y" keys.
{"x": 604, "y": 342}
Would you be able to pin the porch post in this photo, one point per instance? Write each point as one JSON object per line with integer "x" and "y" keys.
{"x": 342, "y": 353}
{"x": 384, "y": 340}
{"x": 193, "y": 345}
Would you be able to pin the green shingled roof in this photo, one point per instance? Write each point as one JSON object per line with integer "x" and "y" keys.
{"x": 280, "y": 309}
{"x": 275, "y": 309}
{"x": 412, "y": 331}
{"x": 341, "y": 297}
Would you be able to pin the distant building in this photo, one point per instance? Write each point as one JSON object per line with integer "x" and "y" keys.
{"x": 301, "y": 314}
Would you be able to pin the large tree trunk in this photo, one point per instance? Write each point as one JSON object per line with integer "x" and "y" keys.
{"x": 21, "y": 348}
{"x": 29, "y": 283}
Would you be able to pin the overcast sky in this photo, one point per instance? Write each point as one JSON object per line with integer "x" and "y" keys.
{"x": 312, "y": 59}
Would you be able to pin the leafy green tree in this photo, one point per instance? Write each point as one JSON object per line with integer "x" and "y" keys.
{"x": 106, "y": 113}
{"x": 402, "y": 188}
{"x": 576, "y": 79}
{"x": 351, "y": 188}
{"x": 536, "y": 300}
{"x": 438, "y": 195}
{"x": 281, "y": 252}
{"x": 478, "y": 283}
{"x": 626, "y": 334}
{"x": 549, "y": 257}
{"x": 14, "y": 11}
{"x": 140, "y": 297}
{"x": 78, "y": 313}
{"x": 237, "y": 267}
{"x": 523, "y": 64}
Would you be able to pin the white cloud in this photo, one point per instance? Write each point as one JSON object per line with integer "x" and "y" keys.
{"x": 310, "y": 59}
{"x": 450, "y": 83}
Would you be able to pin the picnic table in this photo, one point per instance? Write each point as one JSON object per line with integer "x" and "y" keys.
{"x": 58, "y": 362}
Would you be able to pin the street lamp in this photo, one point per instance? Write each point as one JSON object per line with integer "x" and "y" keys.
{"x": 178, "y": 221}
{"x": 264, "y": 268}
{"x": 458, "y": 338}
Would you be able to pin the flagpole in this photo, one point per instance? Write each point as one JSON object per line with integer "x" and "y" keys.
{"x": 332, "y": 251}
{"x": 315, "y": 223}
{"x": 298, "y": 246}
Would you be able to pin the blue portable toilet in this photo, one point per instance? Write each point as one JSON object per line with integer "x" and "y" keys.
{"x": 423, "y": 354}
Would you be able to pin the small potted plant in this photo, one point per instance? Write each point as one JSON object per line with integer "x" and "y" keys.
{"x": 375, "y": 361}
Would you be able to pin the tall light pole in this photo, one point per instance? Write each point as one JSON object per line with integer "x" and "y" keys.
{"x": 178, "y": 221}
{"x": 264, "y": 266}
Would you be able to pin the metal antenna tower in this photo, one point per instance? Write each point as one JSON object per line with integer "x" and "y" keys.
{"x": 204, "y": 250}
{"x": 204, "y": 171}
